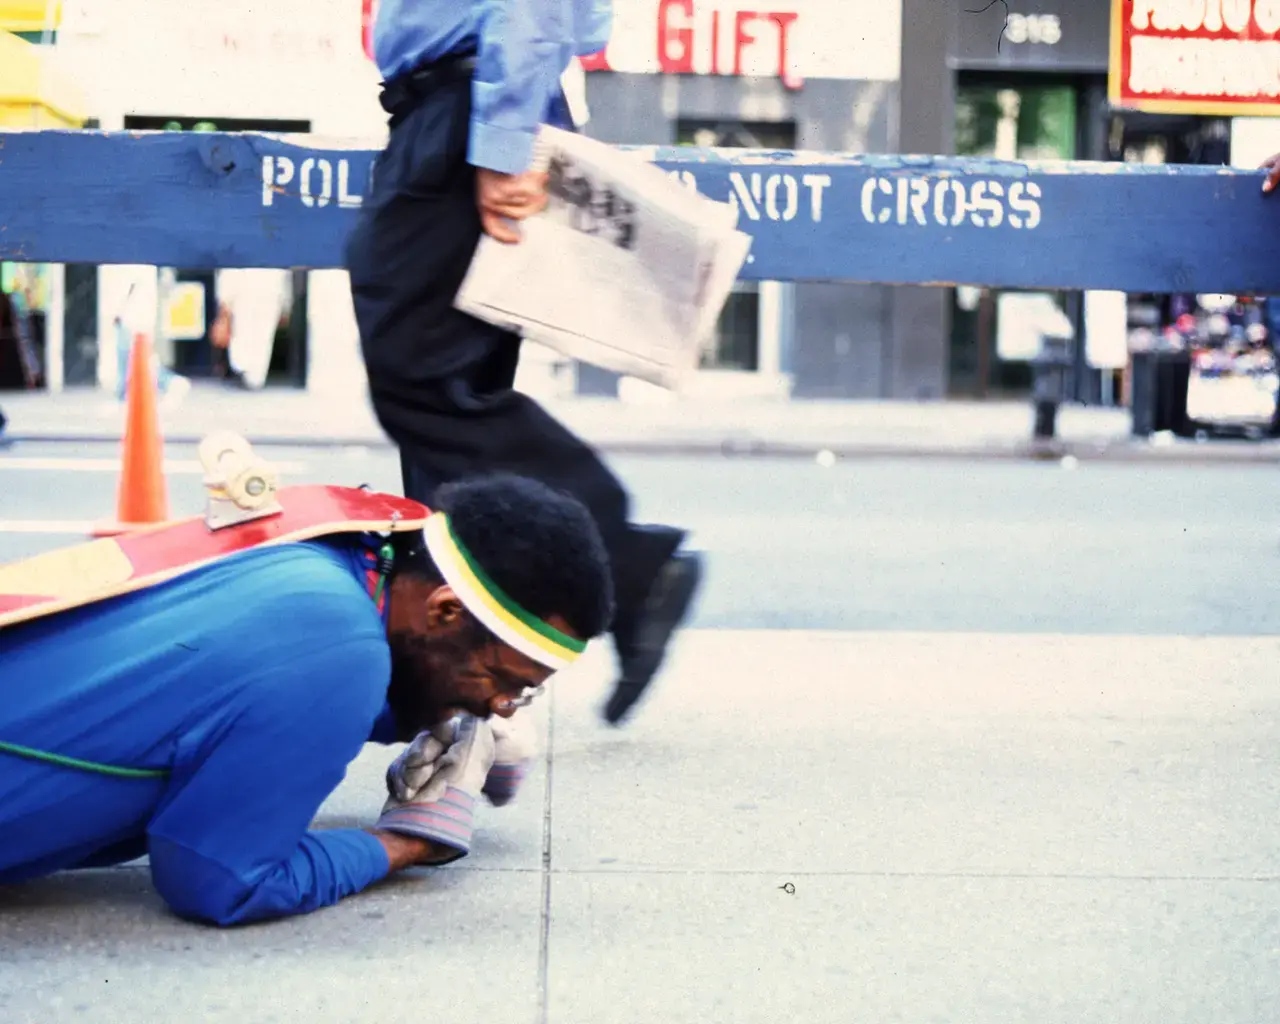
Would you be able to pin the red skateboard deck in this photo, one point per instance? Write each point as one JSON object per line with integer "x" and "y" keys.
{"x": 97, "y": 570}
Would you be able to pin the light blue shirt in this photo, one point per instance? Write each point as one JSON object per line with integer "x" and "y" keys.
{"x": 522, "y": 47}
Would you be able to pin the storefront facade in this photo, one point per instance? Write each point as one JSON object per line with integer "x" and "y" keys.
{"x": 227, "y": 65}
{"x": 806, "y": 74}
{"x": 1054, "y": 80}
{"x": 1209, "y": 74}
{"x": 37, "y": 91}
{"x": 793, "y": 74}
{"x": 816, "y": 74}
{"x": 1031, "y": 85}
{"x": 845, "y": 75}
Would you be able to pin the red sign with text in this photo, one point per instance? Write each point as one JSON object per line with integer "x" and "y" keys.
{"x": 1212, "y": 57}
{"x": 788, "y": 40}
{"x": 368, "y": 15}
{"x": 692, "y": 38}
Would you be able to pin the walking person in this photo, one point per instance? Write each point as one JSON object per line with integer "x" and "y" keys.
{"x": 254, "y": 302}
{"x": 466, "y": 84}
{"x": 136, "y": 314}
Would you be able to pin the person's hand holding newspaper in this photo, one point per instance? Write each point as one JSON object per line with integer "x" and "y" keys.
{"x": 617, "y": 264}
{"x": 508, "y": 197}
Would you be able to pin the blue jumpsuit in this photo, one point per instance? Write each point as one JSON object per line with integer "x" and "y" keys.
{"x": 254, "y": 682}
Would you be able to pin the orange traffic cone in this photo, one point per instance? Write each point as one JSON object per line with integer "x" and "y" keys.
{"x": 143, "y": 498}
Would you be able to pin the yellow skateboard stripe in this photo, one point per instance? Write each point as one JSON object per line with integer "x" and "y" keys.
{"x": 68, "y": 572}
{"x": 17, "y": 578}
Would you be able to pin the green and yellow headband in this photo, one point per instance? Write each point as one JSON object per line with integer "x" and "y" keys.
{"x": 486, "y": 601}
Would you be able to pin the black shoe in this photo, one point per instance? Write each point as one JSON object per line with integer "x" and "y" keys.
{"x": 641, "y": 656}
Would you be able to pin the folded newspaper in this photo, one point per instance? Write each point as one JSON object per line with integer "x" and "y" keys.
{"x": 627, "y": 268}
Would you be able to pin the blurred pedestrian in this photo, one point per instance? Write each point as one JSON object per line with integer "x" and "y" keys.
{"x": 467, "y": 84}
{"x": 138, "y": 314}
{"x": 252, "y": 304}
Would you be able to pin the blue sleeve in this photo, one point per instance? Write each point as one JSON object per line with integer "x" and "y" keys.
{"x": 231, "y": 843}
{"x": 518, "y": 68}
{"x": 593, "y": 26}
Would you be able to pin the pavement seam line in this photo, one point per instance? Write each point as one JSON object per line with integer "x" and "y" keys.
{"x": 544, "y": 930}
{"x": 767, "y": 872}
{"x": 1027, "y": 876}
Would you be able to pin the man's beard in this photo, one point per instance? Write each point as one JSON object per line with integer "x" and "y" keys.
{"x": 422, "y": 670}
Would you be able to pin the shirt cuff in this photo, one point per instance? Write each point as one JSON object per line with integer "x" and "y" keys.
{"x": 366, "y": 859}
{"x": 500, "y": 149}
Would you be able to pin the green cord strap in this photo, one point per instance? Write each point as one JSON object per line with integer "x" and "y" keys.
{"x": 86, "y": 766}
{"x": 386, "y": 560}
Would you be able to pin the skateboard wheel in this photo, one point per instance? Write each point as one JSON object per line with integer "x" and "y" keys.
{"x": 253, "y": 486}
{"x": 221, "y": 448}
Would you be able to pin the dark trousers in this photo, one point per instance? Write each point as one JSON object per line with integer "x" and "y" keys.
{"x": 440, "y": 380}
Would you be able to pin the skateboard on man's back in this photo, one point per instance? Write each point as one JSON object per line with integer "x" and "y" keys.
{"x": 245, "y": 511}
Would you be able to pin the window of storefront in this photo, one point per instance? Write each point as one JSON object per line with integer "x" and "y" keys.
{"x": 747, "y": 334}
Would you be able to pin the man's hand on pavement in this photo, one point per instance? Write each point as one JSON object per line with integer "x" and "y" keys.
{"x": 1272, "y": 166}
{"x": 412, "y": 851}
{"x": 503, "y": 197}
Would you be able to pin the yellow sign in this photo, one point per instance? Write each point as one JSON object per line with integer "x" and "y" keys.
{"x": 29, "y": 15}
{"x": 184, "y": 313}
{"x": 36, "y": 91}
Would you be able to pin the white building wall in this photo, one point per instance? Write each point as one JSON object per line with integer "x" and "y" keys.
{"x": 234, "y": 59}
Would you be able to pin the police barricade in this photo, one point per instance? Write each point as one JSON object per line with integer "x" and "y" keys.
{"x": 250, "y": 200}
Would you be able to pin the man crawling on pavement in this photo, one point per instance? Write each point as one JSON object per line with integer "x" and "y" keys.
{"x": 203, "y": 722}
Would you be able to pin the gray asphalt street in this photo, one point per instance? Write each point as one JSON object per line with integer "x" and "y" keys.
{"x": 865, "y": 545}
{"x": 948, "y": 743}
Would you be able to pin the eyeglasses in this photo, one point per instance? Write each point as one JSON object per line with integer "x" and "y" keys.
{"x": 526, "y": 697}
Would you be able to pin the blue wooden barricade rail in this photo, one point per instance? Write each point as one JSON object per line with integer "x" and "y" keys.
{"x": 218, "y": 200}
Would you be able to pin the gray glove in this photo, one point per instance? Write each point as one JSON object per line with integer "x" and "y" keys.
{"x": 513, "y": 753}
{"x": 442, "y": 809}
{"x": 412, "y": 770}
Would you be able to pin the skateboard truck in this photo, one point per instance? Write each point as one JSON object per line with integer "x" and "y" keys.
{"x": 241, "y": 486}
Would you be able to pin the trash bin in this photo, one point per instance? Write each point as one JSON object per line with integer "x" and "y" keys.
{"x": 1142, "y": 394}
{"x": 1173, "y": 373}
{"x": 1158, "y": 397}
{"x": 1051, "y": 374}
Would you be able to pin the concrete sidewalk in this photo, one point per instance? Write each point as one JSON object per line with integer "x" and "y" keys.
{"x": 964, "y": 828}
{"x": 748, "y": 426}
